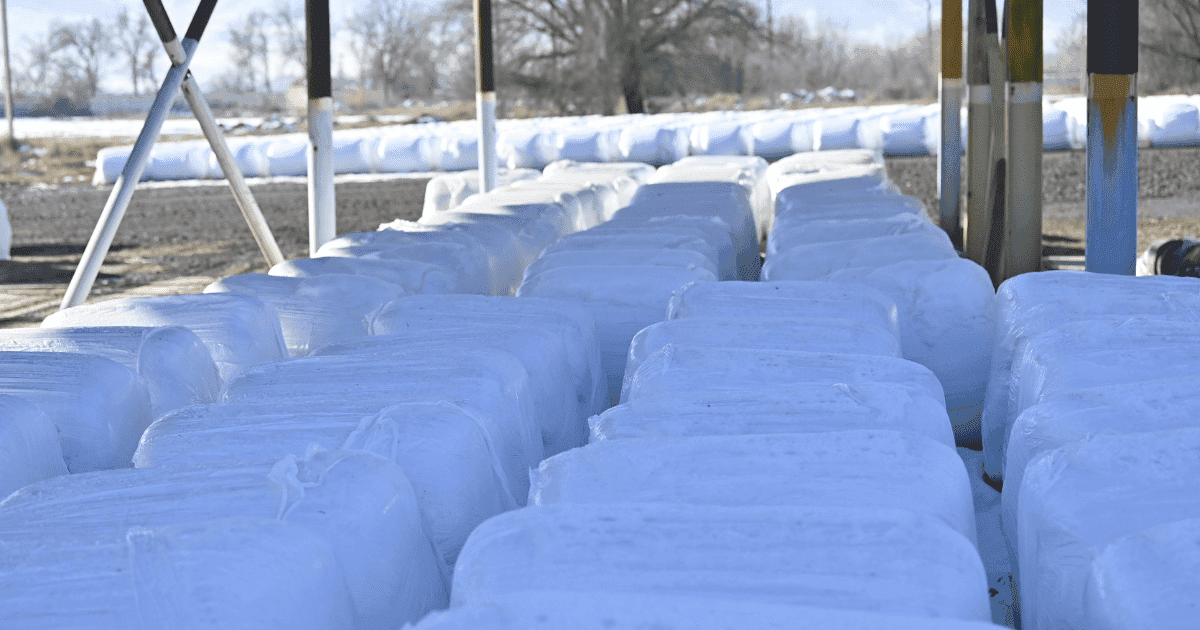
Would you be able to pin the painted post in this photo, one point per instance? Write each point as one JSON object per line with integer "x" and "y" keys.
{"x": 979, "y": 145}
{"x": 1023, "y": 200}
{"x": 485, "y": 95}
{"x": 992, "y": 230}
{"x": 322, "y": 214}
{"x": 950, "y": 93}
{"x": 8, "y": 93}
{"x": 1112, "y": 151}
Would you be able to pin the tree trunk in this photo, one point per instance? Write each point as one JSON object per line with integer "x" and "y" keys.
{"x": 631, "y": 85}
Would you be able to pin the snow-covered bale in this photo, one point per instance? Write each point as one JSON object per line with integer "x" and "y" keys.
{"x": 531, "y": 147}
{"x": 29, "y": 449}
{"x": 448, "y": 190}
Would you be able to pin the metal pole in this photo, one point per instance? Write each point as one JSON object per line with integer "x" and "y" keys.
{"x": 122, "y": 193}
{"x": 950, "y": 93}
{"x": 979, "y": 146}
{"x": 8, "y": 96}
{"x": 992, "y": 229}
{"x": 485, "y": 95}
{"x": 1023, "y": 215}
{"x": 1112, "y": 151}
{"x": 322, "y": 217}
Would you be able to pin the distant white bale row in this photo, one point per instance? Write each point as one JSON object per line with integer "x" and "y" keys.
{"x": 839, "y": 219}
{"x": 1089, "y": 421}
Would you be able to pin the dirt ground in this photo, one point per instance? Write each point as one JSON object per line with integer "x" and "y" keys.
{"x": 180, "y": 237}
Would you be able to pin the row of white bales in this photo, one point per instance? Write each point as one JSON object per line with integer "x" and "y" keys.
{"x": 654, "y": 139}
{"x": 326, "y": 437}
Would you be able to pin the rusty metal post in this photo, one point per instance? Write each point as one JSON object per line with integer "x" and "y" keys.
{"x": 950, "y": 93}
{"x": 1023, "y": 201}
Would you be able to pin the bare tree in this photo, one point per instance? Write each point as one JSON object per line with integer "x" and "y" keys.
{"x": 250, "y": 41}
{"x": 1170, "y": 38}
{"x": 289, "y": 33}
{"x": 136, "y": 44}
{"x": 394, "y": 48}
{"x": 85, "y": 45}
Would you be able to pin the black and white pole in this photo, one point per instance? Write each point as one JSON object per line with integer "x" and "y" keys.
{"x": 979, "y": 146}
{"x": 1112, "y": 151}
{"x": 122, "y": 192}
{"x": 322, "y": 217}
{"x": 1023, "y": 200}
{"x": 950, "y": 93}
{"x": 485, "y": 95}
{"x": 8, "y": 93}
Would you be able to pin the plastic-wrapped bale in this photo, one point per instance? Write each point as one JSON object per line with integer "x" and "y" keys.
{"x": 802, "y": 408}
{"x": 835, "y": 133}
{"x": 361, "y": 503}
{"x": 240, "y": 330}
{"x": 632, "y": 222}
{"x": 847, "y": 207}
{"x": 798, "y": 231}
{"x": 410, "y": 276}
{"x": 406, "y": 152}
{"x": 552, "y": 215}
{"x": 834, "y": 469}
{"x": 676, "y": 369}
{"x": 1146, "y": 580}
{"x": 531, "y": 234}
{"x": 99, "y": 407}
{"x": 666, "y": 236}
{"x": 354, "y": 153}
{"x": 457, "y": 148}
{"x": 552, "y": 202}
{"x": 460, "y": 254}
{"x": 1031, "y": 304}
{"x": 1175, "y": 125}
{"x": 779, "y": 138}
{"x": 727, "y": 137}
{"x": 727, "y": 200}
{"x": 622, "y": 301}
{"x": 586, "y": 144}
{"x": 317, "y": 311}
{"x": 786, "y": 299}
{"x": 795, "y": 189}
{"x": 593, "y": 198}
{"x": 609, "y": 610}
{"x": 615, "y": 191}
{"x": 745, "y": 171}
{"x": 444, "y": 449}
{"x": 876, "y": 559}
{"x": 946, "y": 319}
{"x": 448, "y": 190}
{"x": 650, "y": 257}
{"x": 506, "y": 251}
{"x": 231, "y": 572}
{"x": 637, "y": 171}
{"x": 564, "y": 392}
{"x": 817, "y": 260}
{"x": 825, "y": 334}
{"x": 1078, "y": 499}
{"x": 287, "y": 156}
{"x": 490, "y": 380}
{"x": 813, "y": 162}
{"x": 529, "y": 147}
{"x": 903, "y": 132}
{"x": 29, "y": 449}
{"x": 174, "y": 362}
{"x": 250, "y": 156}
{"x": 653, "y": 144}
{"x": 1144, "y": 406}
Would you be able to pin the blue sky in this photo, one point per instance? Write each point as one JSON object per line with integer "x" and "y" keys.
{"x": 868, "y": 21}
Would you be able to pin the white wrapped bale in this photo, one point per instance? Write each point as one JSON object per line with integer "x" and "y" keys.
{"x": 459, "y": 254}
{"x": 653, "y": 144}
{"x": 630, "y": 228}
{"x": 622, "y": 301}
{"x": 174, "y": 362}
{"x": 726, "y": 137}
{"x": 458, "y": 149}
{"x": 585, "y": 144}
{"x": 444, "y": 449}
{"x": 609, "y": 610}
{"x": 530, "y": 233}
{"x": 793, "y": 190}
{"x": 649, "y": 257}
{"x": 547, "y": 202}
{"x": 615, "y": 191}
{"x": 775, "y": 139}
{"x": 287, "y": 156}
{"x": 813, "y": 162}
{"x": 1078, "y": 499}
{"x": 491, "y": 380}
{"x": 847, "y": 207}
{"x": 823, "y": 334}
{"x": 786, "y": 299}
{"x": 236, "y": 572}
{"x": 817, "y": 260}
{"x": 667, "y": 237}
{"x": 240, "y": 331}
{"x": 354, "y": 154}
{"x": 871, "y": 559}
{"x": 799, "y": 232}
{"x": 448, "y": 190}
{"x": 676, "y": 369}
{"x": 315, "y": 312}
{"x": 29, "y": 449}
{"x": 406, "y": 152}
{"x": 802, "y": 408}
{"x": 410, "y": 276}
{"x": 727, "y": 200}
{"x": 250, "y": 156}
{"x": 636, "y": 171}
{"x": 589, "y": 197}
{"x": 360, "y": 502}
{"x": 946, "y": 317}
{"x": 833, "y": 133}
{"x": 1146, "y": 580}
{"x": 886, "y": 469}
{"x": 99, "y": 407}
{"x": 530, "y": 147}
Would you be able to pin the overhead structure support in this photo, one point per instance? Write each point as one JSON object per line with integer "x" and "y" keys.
{"x": 950, "y": 93}
{"x": 1112, "y": 151}
{"x": 322, "y": 213}
{"x": 485, "y": 95}
{"x": 1023, "y": 199}
{"x": 979, "y": 145}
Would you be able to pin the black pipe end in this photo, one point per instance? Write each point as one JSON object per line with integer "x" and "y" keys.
{"x": 160, "y": 20}
{"x": 1112, "y": 28}
{"x": 200, "y": 20}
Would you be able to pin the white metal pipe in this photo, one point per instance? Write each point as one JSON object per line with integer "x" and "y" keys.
{"x": 322, "y": 217}
{"x": 485, "y": 108}
{"x": 979, "y": 102}
{"x": 950, "y": 92}
{"x": 1112, "y": 177}
{"x": 1023, "y": 214}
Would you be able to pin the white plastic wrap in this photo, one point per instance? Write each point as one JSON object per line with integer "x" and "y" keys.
{"x": 875, "y": 559}
{"x": 444, "y": 449}
{"x": 832, "y": 133}
{"x": 614, "y": 191}
{"x": 846, "y": 207}
{"x": 653, "y": 144}
{"x": 676, "y": 369}
{"x": 405, "y": 152}
{"x": 728, "y": 137}
{"x": 798, "y": 232}
{"x": 529, "y": 236}
{"x": 317, "y": 311}
{"x": 589, "y": 197}
{"x": 793, "y": 190}
{"x": 884, "y": 469}
{"x": 460, "y": 254}
{"x": 651, "y": 257}
{"x": 361, "y": 503}
{"x": 631, "y": 224}
{"x": 491, "y": 380}
{"x": 800, "y": 408}
{"x": 774, "y": 139}
{"x": 29, "y": 448}
{"x": 1146, "y": 580}
{"x": 564, "y": 392}
{"x": 817, "y": 260}
{"x": 239, "y": 330}
{"x": 250, "y": 156}
{"x": 237, "y": 572}
{"x": 786, "y": 299}
{"x": 529, "y": 147}
{"x": 813, "y": 162}
{"x": 622, "y": 301}
{"x": 585, "y": 144}
{"x": 946, "y": 318}
{"x": 548, "y": 218}
{"x": 1078, "y": 499}
{"x": 727, "y": 200}
{"x": 1175, "y": 125}
{"x": 457, "y": 148}
{"x": 410, "y": 276}
{"x": 448, "y": 190}
{"x": 99, "y": 407}
{"x": 637, "y": 171}
{"x": 288, "y": 156}
{"x": 823, "y": 334}
{"x": 174, "y": 362}
{"x": 683, "y": 238}
{"x": 1056, "y": 129}
{"x": 547, "y": 202}
{"x": 904, "y": 132}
